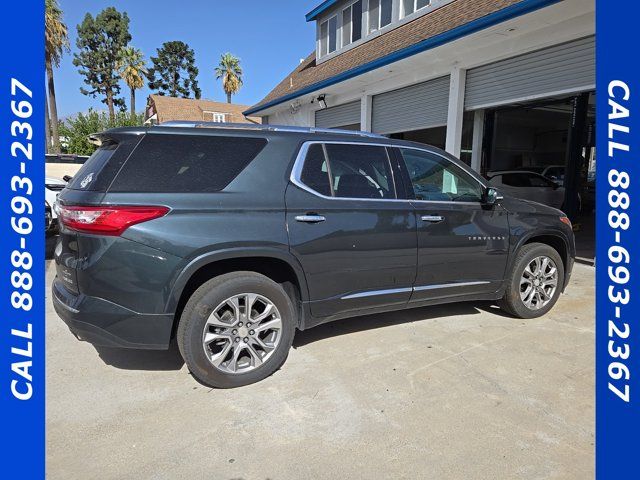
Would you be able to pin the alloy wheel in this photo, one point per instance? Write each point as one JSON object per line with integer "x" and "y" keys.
{"x": 539, "y": 282}
{"x": 241, "y": 333}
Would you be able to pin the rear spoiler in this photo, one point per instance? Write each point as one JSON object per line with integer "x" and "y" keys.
{"x": 115, "y": 135}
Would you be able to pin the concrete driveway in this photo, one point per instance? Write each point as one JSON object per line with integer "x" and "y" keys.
{"x": 450, "y": 392}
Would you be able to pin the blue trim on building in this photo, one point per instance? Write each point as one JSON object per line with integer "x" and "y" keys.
{"x": 508, "y": 13}
{"x": 324, "y": 6}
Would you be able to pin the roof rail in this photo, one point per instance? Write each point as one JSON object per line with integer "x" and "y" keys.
{"x": 269, "y": 128}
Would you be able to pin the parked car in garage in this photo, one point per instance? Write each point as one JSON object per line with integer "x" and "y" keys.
{"x": 226, "y": 239}
{"x": 552, "y": 172}
{"x": 528, "y": 185}
{"x": 555, "y": 173}
{"x": 52, "y": 187}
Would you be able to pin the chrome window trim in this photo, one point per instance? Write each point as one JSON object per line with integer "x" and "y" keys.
{"x": 298, "y": 165}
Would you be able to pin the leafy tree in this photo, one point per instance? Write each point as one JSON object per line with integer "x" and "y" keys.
{"x": 230, "y": 72}
{"x": 132, "y": 67}
{"x": 100, "y": 41}
{"x": 174, "y": 72}
{"x": 75, "y": 130}
{"x": 56, "y": 42}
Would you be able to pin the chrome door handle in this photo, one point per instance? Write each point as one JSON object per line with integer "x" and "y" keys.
{"x": 310, "y": 218}
{"x": 432, "y": 218}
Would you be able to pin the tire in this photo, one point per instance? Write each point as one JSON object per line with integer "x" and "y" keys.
{"x": 228, "y": 293}
{"x": 513, "y": 302}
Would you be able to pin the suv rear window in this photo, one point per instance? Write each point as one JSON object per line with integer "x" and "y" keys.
{"x": 166, "y": 163}
{"x": 87, "y": 176}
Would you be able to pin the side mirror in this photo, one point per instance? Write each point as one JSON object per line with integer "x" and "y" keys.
{"x": 67, "y": 178}
{"x": 491, "y": 196}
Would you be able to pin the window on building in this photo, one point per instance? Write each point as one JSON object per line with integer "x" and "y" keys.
{"x": 329, "y": 36}
{"x": 379, "y": 14}
{"x": 386, "y": 7}
{"x": 324, "y": 38}
{"x": 352, "y": 23}
{"x": 356, "y": 14}
{"x": 214, "y": 116}
{"x": 410, "y": 6}
{"x": 374, "y": 15}
{"x": 333, "y": 34}
{"x": 346, "y": 26}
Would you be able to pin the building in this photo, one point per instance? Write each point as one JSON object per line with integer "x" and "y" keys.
{"x": 502, "y": 84}
{"x": 161, "y": 109}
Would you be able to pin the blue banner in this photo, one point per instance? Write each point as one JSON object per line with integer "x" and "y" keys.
{"x": 617, "y": 246}
{"x": 22, "y": 335}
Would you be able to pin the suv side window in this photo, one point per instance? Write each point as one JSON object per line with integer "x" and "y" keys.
{"x": 360, "y": 171}
{"x": 437, "y": 179}
{"x": 349, "y": 171}
{"x": 170, "y": 163}
{"x": 315, "y": 173}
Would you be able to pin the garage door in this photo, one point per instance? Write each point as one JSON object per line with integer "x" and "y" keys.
{"x": 416, "y": 107}
{"x": 565, "y": 68}
{"x": 339, "y": 116}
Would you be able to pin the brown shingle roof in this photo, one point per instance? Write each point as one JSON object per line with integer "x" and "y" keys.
{"x": 171, "y": 108}
{"x": 446, "y": 18}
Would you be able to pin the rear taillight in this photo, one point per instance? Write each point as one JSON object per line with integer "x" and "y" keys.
{"x": 566, "y": 221}
{"x": 106, "y": 220}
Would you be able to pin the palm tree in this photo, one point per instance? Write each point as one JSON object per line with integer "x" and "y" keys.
{"x": 47, "y": 127}
{"x": 56, "y": 42}
{"x": 230, "y": 72}
{"x": 132, "y": 69}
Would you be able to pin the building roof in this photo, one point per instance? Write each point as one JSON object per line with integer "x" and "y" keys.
{"x": 323, "y": 7}
{"x": 172, "y": 108}
{"x": 451, "y": 21}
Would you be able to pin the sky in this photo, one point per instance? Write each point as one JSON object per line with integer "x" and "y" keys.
{"x": 270, "y": 38}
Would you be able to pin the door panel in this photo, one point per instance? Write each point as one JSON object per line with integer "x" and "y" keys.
{"x": 462, "y": 244}
{"x": 356, "y": 253}
{"x": 464, "y": 253}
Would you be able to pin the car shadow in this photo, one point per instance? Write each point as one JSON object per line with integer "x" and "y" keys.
{"x": 381, "y": 320}
{"x": 131, "y": 359}
{"x": 167, "y": 360}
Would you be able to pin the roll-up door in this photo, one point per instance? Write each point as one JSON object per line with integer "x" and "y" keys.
{"x": 565, "y": 68}
{"x": 415, "y": 107}
{"x": 339, "y": 116}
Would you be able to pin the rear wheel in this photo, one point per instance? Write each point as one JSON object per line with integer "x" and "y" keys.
{"x": 535, "y": 282}
{"x": 236, "y": 329}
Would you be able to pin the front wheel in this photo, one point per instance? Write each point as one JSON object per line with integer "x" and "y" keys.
{"x": 535, "y": 282}
{"x": 236, "y": 329}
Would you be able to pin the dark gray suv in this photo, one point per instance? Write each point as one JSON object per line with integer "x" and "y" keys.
{"x": 228, "y": 238}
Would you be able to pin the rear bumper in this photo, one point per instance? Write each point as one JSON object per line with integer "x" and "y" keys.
{"x": 107, "y": 324}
